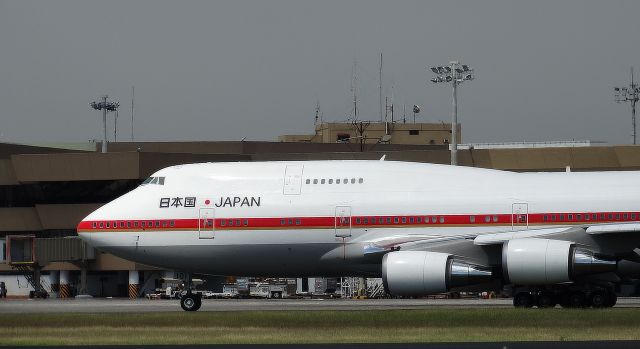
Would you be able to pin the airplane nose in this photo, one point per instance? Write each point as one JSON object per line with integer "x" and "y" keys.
{"x": 84, "y": 230}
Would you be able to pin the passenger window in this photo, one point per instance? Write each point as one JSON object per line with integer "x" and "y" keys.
{"x": 380, "y": 220}
{"x": 418, "y": 220}
{"x": 633, "y": 216}
{"x": 338, "y": 181}
{"x": 330, "y": 180}
{"x": 625, "y": 216}
{"x": 172, "y": 223}
{"x": 360, "y": 180}
{"x": 617, "y": 216}
{"x": 231, "y": 223}
{"x": 308, "y": 181}
{"x": 246, "y": 222}
{"x": 366, "y": 220}
{"x": 108, "y": 225}
{"x": 315, "y": 181}
{"x": 545, "y": 218}
{"x": 472, "y": 219}
{"x": 238, "y": 223}
{"x": 223, "y": 223}
{"x": 353, "y": 180}
{"x": 586, "y": 217}
{"x": 579, "y": 217}
{"x": 322, "y": 181}
{"x": 395, "y": 220}
{"x": 164, "y": 224}
{"x": 388, "y": 220}
{"x": 157, "y": 224}
{"x": 495, "y": 219}
{"x": 135, "y": 224}
{"x": 570, "y": 217}
{"x": 411, "y": 220}
{"x": 404, "y": 220}
{"x": 610, "y": 216}
{"x": 128, "y": 224}
{"x": 441, "y": 219}
{"x": 345, "y": 181}
{"x": 94, "y": 225}
{"x": 487, "y": 219}
{"x": 434, "y": 219}
{"x": 121, "y": 224}
{"x": 357, "y": 220}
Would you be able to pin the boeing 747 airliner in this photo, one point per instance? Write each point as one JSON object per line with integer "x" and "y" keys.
{"x": 424, "y": 228}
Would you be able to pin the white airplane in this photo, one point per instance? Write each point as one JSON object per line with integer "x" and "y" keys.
{"x": 425, "y": 228}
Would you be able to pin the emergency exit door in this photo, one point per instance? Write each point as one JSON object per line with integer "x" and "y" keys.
{"x": 343, "y": 221}
{"x": 206, "y": 226}
{"x": 519, "y": 216}
{"x": 293, "y": 179}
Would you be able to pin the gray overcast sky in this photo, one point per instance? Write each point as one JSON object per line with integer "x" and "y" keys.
{"x": 224, "y": 70}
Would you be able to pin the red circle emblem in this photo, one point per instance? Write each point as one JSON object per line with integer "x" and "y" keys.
{"x": 207, "y": 202}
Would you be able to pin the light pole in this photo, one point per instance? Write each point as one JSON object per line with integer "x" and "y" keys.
{"x": 104, "y": 106}
{"x": 455, "y": 73}
{"x": 629, "y": 94}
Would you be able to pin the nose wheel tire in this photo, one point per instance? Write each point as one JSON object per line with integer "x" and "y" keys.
{"x": 191, "y": 302}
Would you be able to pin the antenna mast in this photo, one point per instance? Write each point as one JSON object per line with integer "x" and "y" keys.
{"x": 380, "y": 87}
{"x": 133, "y": 94}
{"x": 354, "y": 80}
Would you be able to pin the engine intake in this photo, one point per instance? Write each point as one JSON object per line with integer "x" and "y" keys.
{"x": 543, "y": 261}
{"x": 418, "y": 273}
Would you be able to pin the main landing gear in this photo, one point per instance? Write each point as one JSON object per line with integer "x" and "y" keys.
{"x": 190, "y": 301}
{"x": 567, "y": 296}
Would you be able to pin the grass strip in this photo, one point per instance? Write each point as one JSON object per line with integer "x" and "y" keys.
{"x": 384, "y": 326}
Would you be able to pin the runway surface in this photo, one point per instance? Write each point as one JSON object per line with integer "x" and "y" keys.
{"x": 101, "y": 305}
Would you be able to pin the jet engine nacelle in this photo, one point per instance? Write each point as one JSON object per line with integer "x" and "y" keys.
{"x": 418, "y": 273}
{"x": 543, "y": 261}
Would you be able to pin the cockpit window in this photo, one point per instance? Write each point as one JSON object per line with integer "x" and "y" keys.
{"x": 154, "y": 180}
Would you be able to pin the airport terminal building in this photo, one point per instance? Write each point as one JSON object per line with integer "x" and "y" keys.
{"x": 46, "y": 191}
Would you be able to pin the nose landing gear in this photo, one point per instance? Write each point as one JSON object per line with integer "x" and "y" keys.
{"x": 190, "y": 301}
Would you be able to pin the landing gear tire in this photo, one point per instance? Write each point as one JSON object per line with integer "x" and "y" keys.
{"x": 523, "y": 300}
{"x": 276, "y": 295}
{"x": 576, "y": 300}
{"x": 546, "y": 300}
{"x": 191, "y": 302}
{"x": 599, "y": 299}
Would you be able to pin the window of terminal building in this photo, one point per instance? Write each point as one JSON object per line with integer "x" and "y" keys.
{"x": 414, "y": 132}
{"x": 343, "y": 137}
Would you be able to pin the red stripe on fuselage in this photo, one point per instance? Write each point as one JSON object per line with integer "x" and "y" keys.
{"x": 362, "y": 221}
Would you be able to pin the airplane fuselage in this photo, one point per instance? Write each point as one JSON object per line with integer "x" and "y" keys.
{"x": 327, "y": 218}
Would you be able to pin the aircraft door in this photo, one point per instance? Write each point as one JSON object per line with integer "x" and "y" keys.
{"x": 206, "y": 226}
{"x": 293, "y": 179}
{"x": 519, "y": 216}
{"x": 343, "y": 221}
